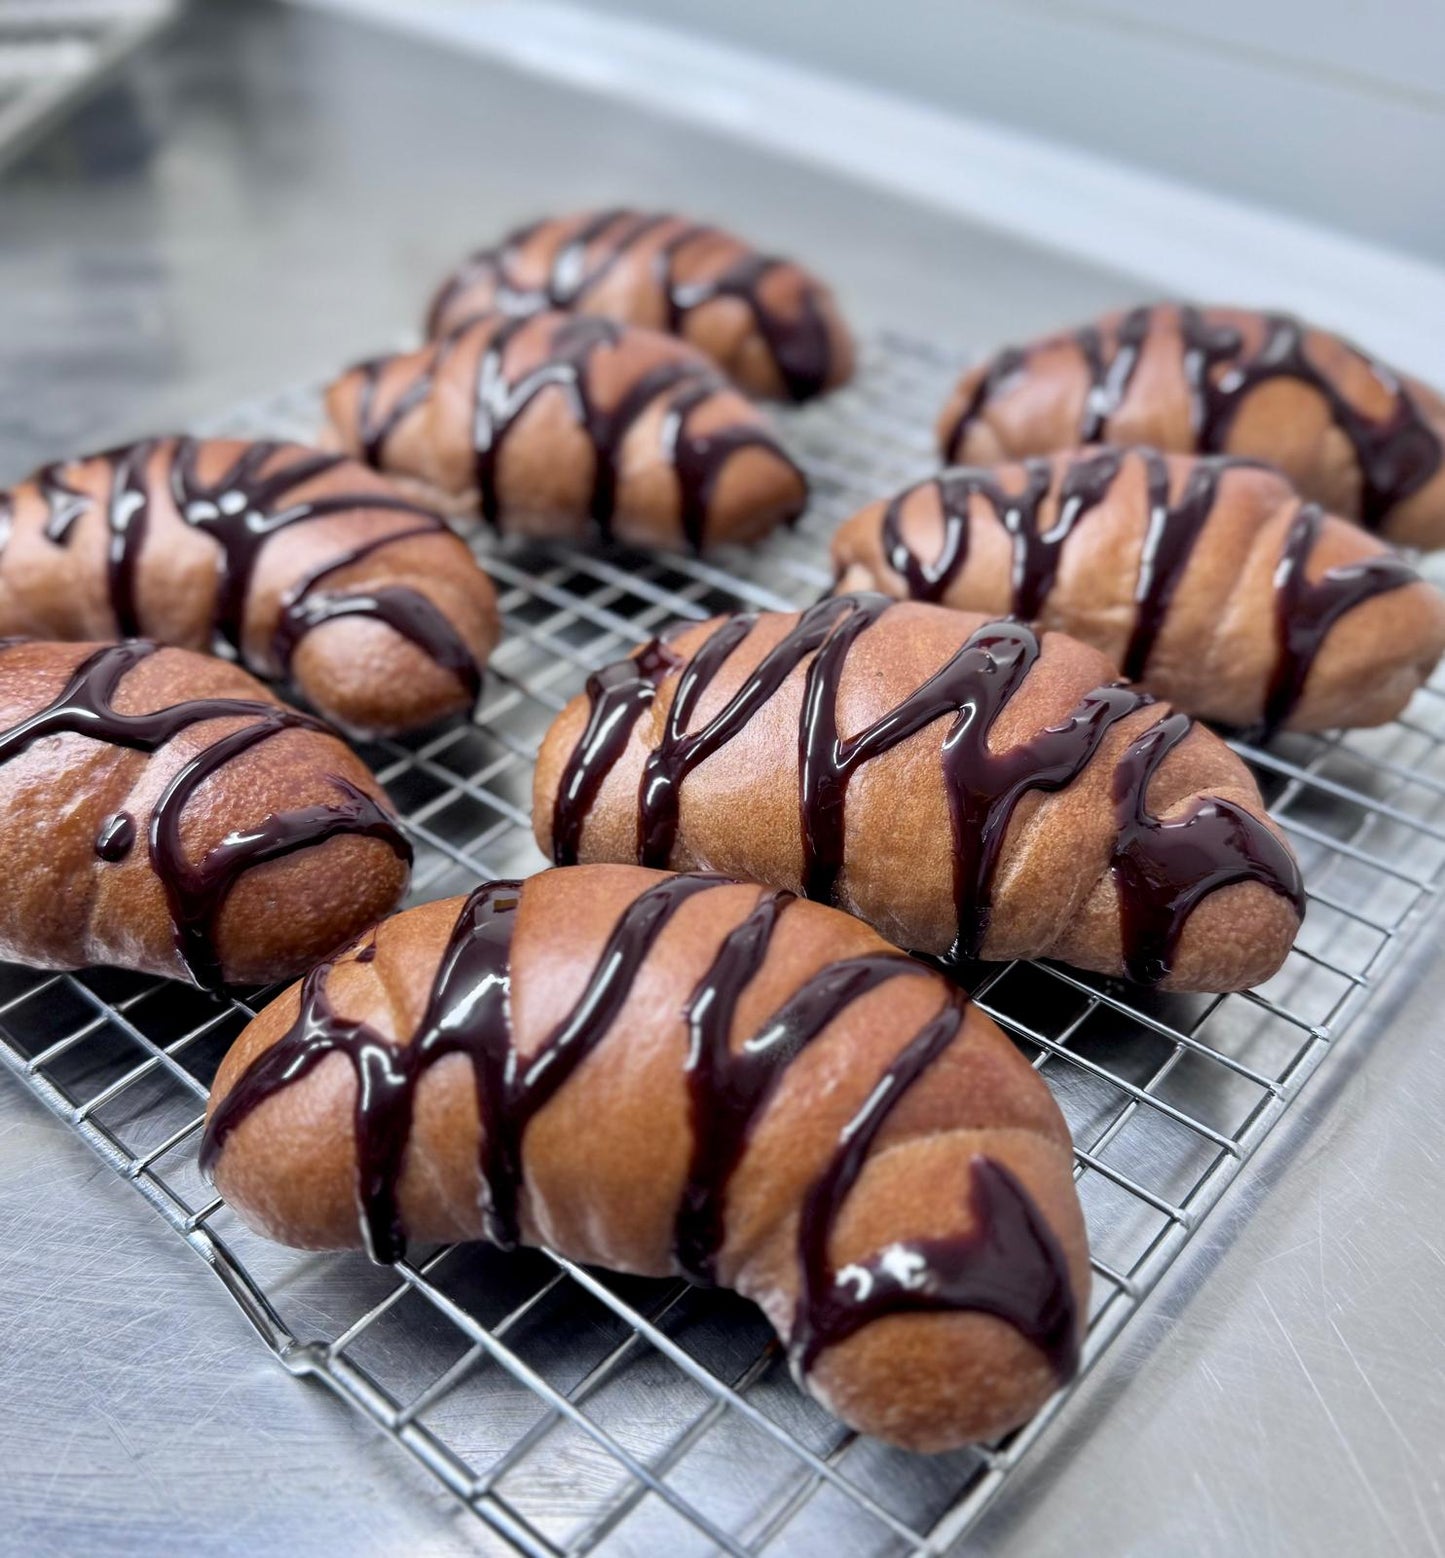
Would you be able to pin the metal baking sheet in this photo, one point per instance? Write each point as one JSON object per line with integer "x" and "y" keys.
{"x": 571, "y": 1409}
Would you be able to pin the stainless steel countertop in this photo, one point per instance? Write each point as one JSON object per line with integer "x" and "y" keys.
{"x": 268, "y": 192}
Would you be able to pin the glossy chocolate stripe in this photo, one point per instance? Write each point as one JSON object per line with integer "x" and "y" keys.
{"x": 196, "y": 893}
{"x": 1009, "y": 1265}
{"x": 797, "y": 339}
{"x": 241, "y": 510}
{"x": 982, "y": 787}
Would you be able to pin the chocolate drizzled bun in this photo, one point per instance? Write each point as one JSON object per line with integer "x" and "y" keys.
{"x": 563, "y": 425}
{"x": 1349, "y": 432}
{"x": 773, "y": 328}
{"x": 307, "y": 566}
{"x": 161, "y": 811}
{"x": 971, "y": 788}
{"x": 678, "y": 1074}
{"x": 1206, "y": 580}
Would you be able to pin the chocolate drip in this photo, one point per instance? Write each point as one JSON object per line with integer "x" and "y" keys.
{"x": 63, "y": 502}
{"x": 128, "y": 513}
{"x": 826, "y": 1312}
{"x": 1396, "y": 456}
{"x": 798, "y": 342}
{"x": 117, "y": 834}
{"x": 406, "y": 611}
{"x": 1084, "y": 484}
{"x": 1002, "y": 367}
{"x": 983, "y": 786}
{"x": 1164, "y": 868}
{"x": 730, "y": 1088}
{"x": 241, "y": 510}
{"x": 386, "y": 1077}
{"x": 1305, "y": 612}
{"x": 516, "y": 1091}
{"x": 1010, "y": 1265}
{"x": 196, "y": 893}
{"x": 683, "y": 385}
{"x": 1174, "y": 529}
{"x": 680, "y": 751}
{"x": 1110, "y": 375}
{"x": 373, "y": 428}
{"x": 616, "y": 697}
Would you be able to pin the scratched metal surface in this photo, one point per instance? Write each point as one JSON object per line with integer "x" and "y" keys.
{"x": 1280, "y": 1392}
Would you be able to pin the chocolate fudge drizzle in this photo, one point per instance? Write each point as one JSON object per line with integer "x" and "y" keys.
{"x": 195, "y": 892}
{"x": 241, "y": 510}
{"x": 408, "y": 612}
{"x": 1174, "y": 529}
{"x": 1396, "y": 455}
{"x": 1305, "y": 613}
{"x": 683, "y": 385}
{"x": 1110, "y": 375}
{"x": 1010, "y": 1265}
{"x": 983, "y": 787}
{"x": 1164, "y": 869}
{"x": 616, "y": 696}
{"x": 797, "y": 340}
{"x": 1083, "y": 484}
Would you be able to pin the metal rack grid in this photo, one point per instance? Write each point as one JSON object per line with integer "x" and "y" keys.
{"x": 568, "y": 1407}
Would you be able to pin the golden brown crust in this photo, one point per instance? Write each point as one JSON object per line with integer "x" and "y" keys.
{"x": 1226, "y": 381}
{"x": 419, "y": 618}
{"x": 770, "y": 325}
{"x": 1211, "y": 642}
{"x": 605, "y": 1161}
{"x": 1055, "y": 889}
{"x": 66, "y": 906}
{"x": 584, "y": 426}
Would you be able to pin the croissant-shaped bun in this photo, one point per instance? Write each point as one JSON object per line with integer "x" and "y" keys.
{"x": 772, "y": 327}
{"x": 1349, "y": 432}
{"x": 1206, "y": 579}
{"x": 558, "y": 424}
{"x": 307, "y": 565}
{"x": 967, "y": 787}
{"x": 683, "y": 1074}
{"x": 160, "y": 810}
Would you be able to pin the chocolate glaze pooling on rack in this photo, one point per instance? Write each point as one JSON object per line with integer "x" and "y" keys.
{"x": 241, "y": 510}
{"x": 983, "y": 787}
{"x": 797, "y": 340}
{"x": 682, "y": 384}
{"x": 1010, "y": 1265}
{"x": 1304, "y": 613}
{"x": 1396, "y": 455}
{"x": 195, "y": 892}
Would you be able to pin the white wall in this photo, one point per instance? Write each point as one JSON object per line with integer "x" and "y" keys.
{"x": 1330, "y": 109}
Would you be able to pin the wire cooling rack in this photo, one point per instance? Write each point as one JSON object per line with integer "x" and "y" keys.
{"x": 570, "y": 1408}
